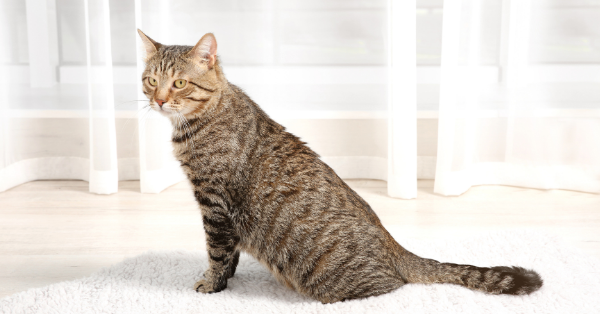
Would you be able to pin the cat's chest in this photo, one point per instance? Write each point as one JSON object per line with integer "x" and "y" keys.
{"x": 202, "y": 158}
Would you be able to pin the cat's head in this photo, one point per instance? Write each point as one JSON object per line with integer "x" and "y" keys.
{"x": 182, "y": 80}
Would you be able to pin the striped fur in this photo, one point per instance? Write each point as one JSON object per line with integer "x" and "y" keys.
{"x": 261, "y": 190}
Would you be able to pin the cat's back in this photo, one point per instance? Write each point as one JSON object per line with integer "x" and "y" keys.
{"x": 285, "y": 175}
{"x": 283, "y": 169}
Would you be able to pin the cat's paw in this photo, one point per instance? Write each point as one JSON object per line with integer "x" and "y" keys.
{"x": 206, "y": 286}
{"x": 203, "y": 286}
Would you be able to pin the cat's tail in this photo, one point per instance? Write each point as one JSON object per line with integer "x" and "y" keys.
{"x": 495, "y": 280}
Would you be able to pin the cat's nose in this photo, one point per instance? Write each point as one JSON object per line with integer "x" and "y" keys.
{"x": 159, "y": 101}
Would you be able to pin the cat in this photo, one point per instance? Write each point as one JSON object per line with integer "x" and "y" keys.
{"x": 261, "y": 190}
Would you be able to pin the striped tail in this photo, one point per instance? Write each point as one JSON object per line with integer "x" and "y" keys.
{"x": 495, "y": 280}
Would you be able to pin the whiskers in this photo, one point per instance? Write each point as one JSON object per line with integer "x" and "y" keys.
{"x": 122, "y": 105}
{"x": 145, "y": 114}
{"x": 141, "y": 112}
{"x": 140, "y": 116}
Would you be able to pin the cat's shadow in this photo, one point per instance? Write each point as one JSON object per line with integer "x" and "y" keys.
{"x": 247, "y": 286}
{"x": 177, "y": 271}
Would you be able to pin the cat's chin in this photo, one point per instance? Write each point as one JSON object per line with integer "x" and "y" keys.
{"x": 166, "y": 113}
{"x": 175, "y": 115}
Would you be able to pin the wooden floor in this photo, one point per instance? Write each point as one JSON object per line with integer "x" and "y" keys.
{"x": 52, "y": 231}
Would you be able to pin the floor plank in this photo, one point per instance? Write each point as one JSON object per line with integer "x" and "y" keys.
{"x": 52, "y": 231}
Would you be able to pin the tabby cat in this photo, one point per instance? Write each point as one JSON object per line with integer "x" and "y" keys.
{"x": 263, "y": 191}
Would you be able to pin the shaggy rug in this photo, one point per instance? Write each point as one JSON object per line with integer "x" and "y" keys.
{"x": 161, "y": 282}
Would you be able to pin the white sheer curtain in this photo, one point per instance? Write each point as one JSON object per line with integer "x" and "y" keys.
{"x": 104, "y": 176}
{"x": 402, "y": 121}
{"x": 520, "y": 120}
{"x": 519, "y": 88}
{"x": 57, "y": 123}
{"x": 76, "y": 110}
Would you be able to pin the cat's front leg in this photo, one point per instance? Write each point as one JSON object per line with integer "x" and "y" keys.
{"x": 223, "y": 256}
{"x": 233, "y": 264}
{"x": 230, "y": 266}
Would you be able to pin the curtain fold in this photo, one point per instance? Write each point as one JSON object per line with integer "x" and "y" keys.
{"x": 449, "y": 91}
{"x": 104, "y": 175}
{"x": 402, "y": 93}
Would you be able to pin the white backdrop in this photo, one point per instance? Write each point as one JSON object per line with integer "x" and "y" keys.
{"x": 515, "y": 107}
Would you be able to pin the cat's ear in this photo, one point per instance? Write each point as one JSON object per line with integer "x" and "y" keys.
{"x": 205, "y": 50}
{"x": 150, "y": 45}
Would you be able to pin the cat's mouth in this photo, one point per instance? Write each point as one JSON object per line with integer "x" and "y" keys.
{"x": 163, "y": 108}
{"x": 165, "y": 111}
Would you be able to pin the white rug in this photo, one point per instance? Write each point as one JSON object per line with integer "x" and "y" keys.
{"x": 161, "y": 282}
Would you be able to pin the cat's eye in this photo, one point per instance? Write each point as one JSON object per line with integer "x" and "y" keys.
{"x": 180, "y": 83}
{"x": 152, "y": 81}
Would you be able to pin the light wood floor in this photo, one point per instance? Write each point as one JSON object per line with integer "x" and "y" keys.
{"x": 52, "y": 231}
